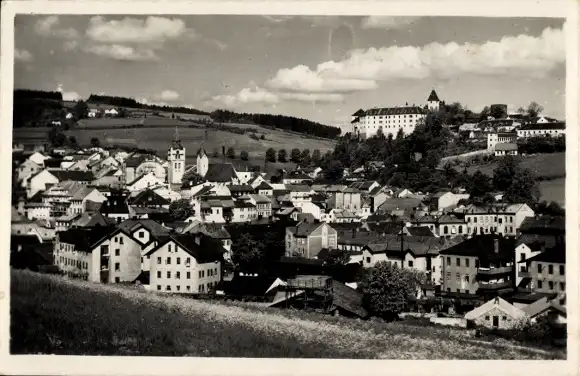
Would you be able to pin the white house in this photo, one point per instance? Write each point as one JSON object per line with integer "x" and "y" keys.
{"x": 502, "y": 150}
{"x": 552, "y": 129}
{"x": 496, "y": 313}
{"x": 494, "y": 138}
{"x": 148, "y": 180}
{"x": 185, "y": 263}
{"x": 37, "y": 183}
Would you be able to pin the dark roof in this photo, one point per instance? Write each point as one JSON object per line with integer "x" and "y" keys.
{"x": 556, "y": 254}
{"x": 544, "y": 224}
{"x": 26, "y": 241}
{"x": 148, "y": 197}
{"x": 84, "y": 239}
{"x": 433, "y": 97}
{"x": 220, "y": 173}
{"x": 348, "y": 299}
{"x": 135, "y": 160}
{"x": 377, "y": 218}
{"x": 541, "y": 126}
{"x": 73, "y": 175}
{"x": 394, "y": 111}
{"x": 150, "y": 225}
{"x": 248, "y": 285}
{"x": 419, "y": 231}
{"x": 240, "y": 188}
{"x": 208, "y": 249}
{"x": 53, "y": 162}
{"x": 390, "y": 227}
{"x": 506, "y": 147}
{"x": 483, "y": 247}
{"x": 115, "y": 204}
{"x": 399, "y": 204}
{"x": 304, "y": 229}
{"x": 359, "y": 112}
{"x": 264, "y": 185}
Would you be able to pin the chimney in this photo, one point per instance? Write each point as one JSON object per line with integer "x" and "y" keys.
{"x": 496, "y": 246}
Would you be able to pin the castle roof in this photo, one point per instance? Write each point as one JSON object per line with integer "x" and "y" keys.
{"x": 433, "y": 97}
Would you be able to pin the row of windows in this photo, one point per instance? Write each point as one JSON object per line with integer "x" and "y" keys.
{"x": 202, "y": 288}
{"x": 201, "y": 274}
{"x": 551, "y": 285}
{"x": 487, "y": 219}
{"x": 458, "y": 262}
{"x": 71, "y": 262}
{"x": 562, "y": 268}
{"x": 392, "y": 116}
{"x": 177, "y": 260}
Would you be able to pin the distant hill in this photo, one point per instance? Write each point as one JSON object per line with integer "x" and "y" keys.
{"x": 36, "y": 108}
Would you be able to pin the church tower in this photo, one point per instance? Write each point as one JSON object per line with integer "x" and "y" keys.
{"x": 433, "y": 101}
{"x": 202, "y": 162}
{"x": 176, "y": 161}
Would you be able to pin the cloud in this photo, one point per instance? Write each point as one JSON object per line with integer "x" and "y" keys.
{"x": 361, "y": 69}
{"x": 68, "y": 95}
{"x": 134, "y": 30}
{"x": 70, "y": 45}
{"x": 387, "y": 22}
{"x": 302, "y": 79}
{"x": 48, "y": 26}
{"x": 258, "y": 95}
{"x": 122, "y": 53}
{"x": 168, "y": 95}
{"x": 22, "y": 55}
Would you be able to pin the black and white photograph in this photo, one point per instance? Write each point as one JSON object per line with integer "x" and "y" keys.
{"x": 299, "y": 186}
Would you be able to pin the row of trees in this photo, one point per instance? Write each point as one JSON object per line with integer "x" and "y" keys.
{"x": 132, "y": 103}
{"x": 278, "y": 121}
{"x": 302, "y": 158}
{"x": 542, "y": 145}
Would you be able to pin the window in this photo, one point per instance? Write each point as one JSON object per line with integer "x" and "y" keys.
{"x": 550, "y": 269}
{"x": 563, "y": 286}
{"x": 522, "y": 256}
{"x": 168, "y": 288}
{"x": 188, "y": 288}
{"x": 104, "y": 249}
{"x": 188, "y": 275}
{"x": 201, "y": 288}
{"x": 178, "y": 261}
{"x": 486, "y": 318}
{"x": 457, "y": 277}
{"x": 120, "y": 240}
{"x": 539, "y": 268}
{"x": 141, "y": 235}
{"x": 449, "y": 276}
{"x": 168, "y": 274}
{"x": 159, "y": 274}
{"x": 158, "y": 287}
{"x": 159, "y": 260}
{"x": 117, "y": 267}
{"x": 368, "y": 260}
{"x": 539, "y": 284}
{"x": 169, "y": 248}
{"x": 178, "y": 287}
{"x": 177, "y": 275}
{"x": 116, "y": 239}
{"x": 562, "y": 269}
{"x": 410, "y": 264}
{"x": 215, "y": 272}
{"x": 117, "y": 279}
{"x": 551, "y": 285}
{"x": 168, "y": 261}
{"x": 503, "y": 318}
{"x": 467, "y": 262}
{"x": 449, "y": 261}
{"x": 458, "y": 262}
{"x": 117, "y": 252}
{"x": 476, "y": 263}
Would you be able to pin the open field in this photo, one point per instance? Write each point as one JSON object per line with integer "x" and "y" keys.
{"x": 553, "y": 190}
{"x": 52, "y": 315}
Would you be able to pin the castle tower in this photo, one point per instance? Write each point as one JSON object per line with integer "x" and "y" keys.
{"x": 433, "y": 101}
{"x": 176, "y": 161}
{"x": 202, "y": 162}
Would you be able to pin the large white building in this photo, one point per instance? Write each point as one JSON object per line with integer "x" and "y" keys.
{"x": 392, "y": 119}
{"x": 552, "y": 129}
{"x": 176, "y": 161}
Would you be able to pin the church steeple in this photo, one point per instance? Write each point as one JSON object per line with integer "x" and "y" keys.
{"x": 176, "y": 141}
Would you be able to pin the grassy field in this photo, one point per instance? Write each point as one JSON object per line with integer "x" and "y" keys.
{"x": 55, "y": 316}
{"x": 553, "y": 190}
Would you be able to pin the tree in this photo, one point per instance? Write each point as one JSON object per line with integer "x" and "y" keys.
{"x": 305, "y": 157}
{"x": 95, "y": 142}
{"x": 81, "y": 110}
{"x": 338, "y": 257}
{"x": 534, "y": 109}
{"x": 282, "y": 155}
{"x": 518, "y": 184}
{"x": 244, "y": 156}
{"x": 334, "y": 172}
{"x": 521, "y": 110}
{"x": 56, "y": 137}
{"x": 247, "y": 251}
{"x": 485, "y": 112}
{"x": 122, "y": 112}
{"x": 180, "y": 209}
{"x": 271, "y": 155}
{"x": 295, "y": 155}
{"x": 386, "y": 289}
{"x": 497, "y": 112}
{"x": 231, "y": 153}
{"x": 215, "y": 153}
{"x": 479, "y": 185}
{"x": 316, "y": 157}
{"x": 504, "y": 172}
{"x": 191, "y": 178}
{"x": 72, "y": 140}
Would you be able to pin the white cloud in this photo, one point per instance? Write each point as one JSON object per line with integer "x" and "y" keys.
{"x": 136, "y": 30}
{"x": 313, "y": 97}
{"x": 67, "y": 95}
{"x": 523, "y": 54}
{"x": 48, "y": 26}
{"x": 387, "y": 22}
{"x": 70, "y": 45}
{"x": 121, "y": 52}
{"x": 302, "y": 79}
{"x": 168, "y": 95}
{"x": 258, "y": 95}
{"x": 22, "y": 55}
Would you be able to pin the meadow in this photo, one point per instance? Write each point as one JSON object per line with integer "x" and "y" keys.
{"x": 51, "y": 315}
{"x": 544, "y": 166}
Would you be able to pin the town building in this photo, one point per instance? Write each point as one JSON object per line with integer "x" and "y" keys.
{"x": 551, "y": 129}
{"x": 308, "y": 239}
{"x": 494, "y": 139}
{"x": 546, "y": 271}
{"x": 496, "y": 313}
{"x": 501, "y": 150}
{"x": 176, "y": 161}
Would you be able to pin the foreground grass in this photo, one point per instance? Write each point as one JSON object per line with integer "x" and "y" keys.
{"x": 51, "y": 315}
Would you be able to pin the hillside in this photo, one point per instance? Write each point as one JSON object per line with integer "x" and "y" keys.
{"x": 545, "y": 166}
{"x": 55, "y": 316}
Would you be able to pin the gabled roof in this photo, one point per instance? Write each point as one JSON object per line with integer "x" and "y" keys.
{"x": 260, "y": 199}
{"x": 420, "y": 231}
{"x": 115, "y": 204}
{"x": 148, "y": 197}
{"x": 433, "y": 97}
{"x": 498, "y": 303}
{"x": 131, "y": 225}
{"x": 264, "y": 186}
{"x": 241, "y": 188}
{"x": 84, "y": 239}
{"x": 304, "y": 229}
{"x": 483, "y": 247}
{"x": 220, "y": 173}
{"x": 447, "y": 218}
{"x": 542, "y": 126}
{"x": 63, "y": 175}
{"x": 506, "y": 147}
{"x": 556, "y": 255}
{"x": 394, "y": 111}
{"x": 359, "y": 112}
{"x": 540, "y": 306}
{"x": 207, "y": 250}
{"x": 543, "y": 224}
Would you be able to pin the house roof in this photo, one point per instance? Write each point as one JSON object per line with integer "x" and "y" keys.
{"x": 131, "y": 225}
{"x": 207, "y": 250}
{"x": 391, "y": 204}
{"x": 115, "y": 204}
{"x": 304, "y": 229}
{"x": 447, "y": 218}
{"x": 260, "y": 199}
{"x": 538, "y": 307}
{"x": 62, "y": 175}
{"x": 220, "y": 173}
{"x": 359, "y": 112}
{"x": 483, "y": 247}
{"x": 394, "y": 111}
{"x": 385, "y": 227}
{"x": 543, "y": 224}
{"x": 92, "y": 219}
{"x": 240, "y": 188}
{"x": 264, "y": 185}
{"x": 298, "y": 188}
{"x": 84, "y": 239}
{"x": 419, "y": 231}
{"x": 556, "y": 255}
{"x": 506, "y": 147}
{"x": 542, "y": 126}
{"x": 499, "y": 303}
{"x": 148, "y": 197}
{"x": 433, "y": 97}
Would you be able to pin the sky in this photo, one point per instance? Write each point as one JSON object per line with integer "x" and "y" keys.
{"x": 315, "y": 67}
